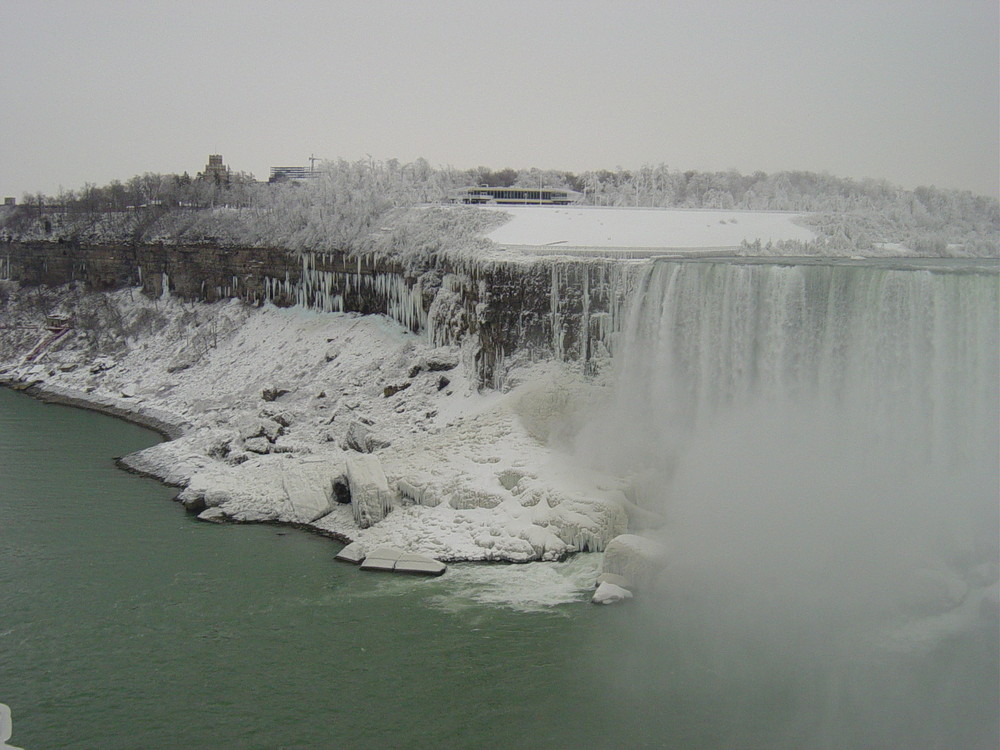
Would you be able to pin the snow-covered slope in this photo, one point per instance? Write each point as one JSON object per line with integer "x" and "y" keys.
{"x": 272, "y": 403}
{"x": 601, "y": 230}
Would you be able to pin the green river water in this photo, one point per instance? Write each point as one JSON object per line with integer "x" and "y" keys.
{"x": 125, "y": 623}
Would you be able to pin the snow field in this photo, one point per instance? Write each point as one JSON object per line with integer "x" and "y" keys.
{"x": 600, "y": 229}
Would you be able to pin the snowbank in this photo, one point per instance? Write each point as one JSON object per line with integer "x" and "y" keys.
{"x": 260, "y": 403}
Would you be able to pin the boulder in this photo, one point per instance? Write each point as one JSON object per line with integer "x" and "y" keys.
{"x": 361, "y": 439}
{"x": 440, "y": 361}
{"x": 371, "y": 497}
{"x": 257, "y": 445}
{"x": 586, "y": 524}
{"x": 309, "y": 487}
{"x": 212, "y": 515}
{"x": 392, "y": 390}
{"x": 353, "y": 553}
{"x": 635, "y": 558}
{"x": 616, "y": 579}
{"x": 609, "y": 593}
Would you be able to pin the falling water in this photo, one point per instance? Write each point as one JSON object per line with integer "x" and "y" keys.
{"x": 822, "y": 442}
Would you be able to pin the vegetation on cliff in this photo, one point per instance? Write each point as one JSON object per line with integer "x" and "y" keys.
{"x": 353, "y": 206}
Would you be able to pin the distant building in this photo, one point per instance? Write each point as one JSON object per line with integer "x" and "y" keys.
{"x": 10, "y": 201}
{"x": 280, "y": 174}
{"x": 515, "y": 195}
{"x": 215, "y": 170}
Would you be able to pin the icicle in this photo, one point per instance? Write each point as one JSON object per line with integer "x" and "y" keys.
{"x": 554, "y": 316}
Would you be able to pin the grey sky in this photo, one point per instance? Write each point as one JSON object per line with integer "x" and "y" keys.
{"x": 100, "y": 90}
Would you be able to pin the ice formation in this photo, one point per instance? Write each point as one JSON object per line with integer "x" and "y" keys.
{"x": 371, "y": 499}
{"x": 633, "y": 559}
{"x": 261, "y": 402}
{"x": 264, "y": 401}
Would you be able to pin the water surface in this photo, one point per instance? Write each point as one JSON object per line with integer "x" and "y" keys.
{"x": 126, "y": 623}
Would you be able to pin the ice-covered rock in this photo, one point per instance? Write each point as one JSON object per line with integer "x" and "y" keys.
{"x": 586, "y": 524}
{"x": 417, "y": 491}
{"x": 616, "y": 579}
{"x": 636, "y": 558}
{"x": 353, "y": 553}
{"x": 257, "y": 427}
{"x": 395, "y": 560}
{"x": 257, "y": 445}
{"x": 640, "y": 518}
{"x": 212, "y": 515}
{"x": 309, "y": 486}
{"x": 360, "y": 438}
{"x": 6, "y": 728}
{"x": 609, "y": 593}
{"x": 371, "y": 497}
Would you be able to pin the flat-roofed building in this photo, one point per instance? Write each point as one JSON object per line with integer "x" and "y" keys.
{"x": 279, "y": 174}
{"x": 515, "y": 196}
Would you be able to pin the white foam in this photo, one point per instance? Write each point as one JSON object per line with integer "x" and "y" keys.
{"x": 533, "y": 587}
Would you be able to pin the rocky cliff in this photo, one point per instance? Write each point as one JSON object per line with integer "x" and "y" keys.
{"x": 500, "y": 310}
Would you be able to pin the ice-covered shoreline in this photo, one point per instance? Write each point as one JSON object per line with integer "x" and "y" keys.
{"x": 260, "y": 406}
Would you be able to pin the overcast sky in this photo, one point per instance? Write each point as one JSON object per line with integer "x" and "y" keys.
{"x": 94, "y": 90}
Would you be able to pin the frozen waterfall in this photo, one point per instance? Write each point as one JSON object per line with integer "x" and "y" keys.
{"x": 902, "y": 354}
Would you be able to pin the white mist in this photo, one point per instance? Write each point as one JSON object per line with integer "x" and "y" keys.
{"x": 823, "y": 443}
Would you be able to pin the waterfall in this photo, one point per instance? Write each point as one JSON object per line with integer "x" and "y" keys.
{"x": 902, "y": 354}
{"x": 822, "y": 444}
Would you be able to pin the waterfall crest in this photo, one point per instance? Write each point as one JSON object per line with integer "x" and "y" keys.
{"x": 909, "y": 356}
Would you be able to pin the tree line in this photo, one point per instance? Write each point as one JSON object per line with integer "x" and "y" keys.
{"x": 349, "y": 199}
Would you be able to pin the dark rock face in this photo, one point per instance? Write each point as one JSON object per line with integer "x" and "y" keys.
{"x": 342, "y": 490}
{"x": 392, "y": 390}
{"x": 270, "y": 394}
{"x": 553, "y": 307}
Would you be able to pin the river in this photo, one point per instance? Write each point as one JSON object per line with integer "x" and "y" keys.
{"x": 126, "y": 623}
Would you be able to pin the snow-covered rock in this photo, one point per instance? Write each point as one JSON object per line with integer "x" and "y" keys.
{"x": 309, "y": 486}
{"x": 635, "y": 558}
{"x": 360, "y": 438}
{"x": 371, "y": 497}
{"x": 212, "y": 515}
{"x": 609, "y": 593}
{"x": 465, "y": 477}
{"x": 353, "y": 553}
{"x": 394, "y": 560}
{"x": 257, "y": 445}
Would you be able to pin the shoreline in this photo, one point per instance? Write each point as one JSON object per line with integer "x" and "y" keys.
{"x": 49, "y": 394}
{"x": 166, "y": 430}
{"x": 261, "y": 420}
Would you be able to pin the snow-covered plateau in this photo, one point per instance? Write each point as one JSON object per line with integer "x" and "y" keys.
{"x": 273, "y": 411}
{"x": 595, "y": 230}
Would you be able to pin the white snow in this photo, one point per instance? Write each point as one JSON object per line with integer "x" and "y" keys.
{"x": 596, "y": 230}
{"x": 466, "y": 475}
{"x": 609, "y": 593}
